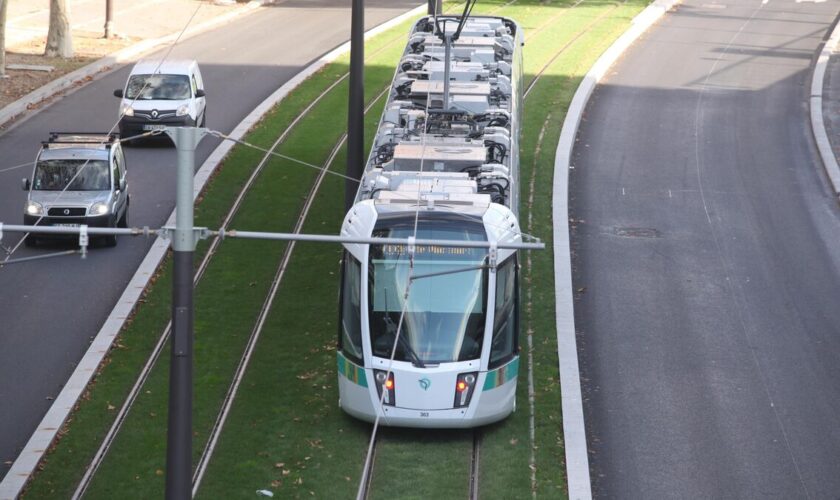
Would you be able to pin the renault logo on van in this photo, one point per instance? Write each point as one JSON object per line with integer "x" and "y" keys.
{"x": 66, "y": 211}
{"x": 424, "y": 383}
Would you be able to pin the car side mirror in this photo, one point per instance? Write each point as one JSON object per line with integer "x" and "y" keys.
{"x": 200, "y": 93}
{"x": 24, "y": 184}
{"x": 118, "y": 93}
{"x": 122, "y": 184}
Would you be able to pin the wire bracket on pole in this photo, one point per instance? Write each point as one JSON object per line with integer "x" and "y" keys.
{"x": 1, "y": 234}
{"x": 168, "y": 232}
{"x": 411, "y": 246}
{"x": 493, "y": 256}
{"x": 83, "y": 239}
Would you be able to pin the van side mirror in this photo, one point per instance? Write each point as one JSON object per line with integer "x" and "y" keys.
{"x": 200, "y": 93}
{"x": 24, "y": 184}
{"x": 118, "y": 93}
{"x": 122, "y": 184}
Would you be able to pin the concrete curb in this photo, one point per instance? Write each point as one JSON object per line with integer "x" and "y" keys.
{"x": 47, "y": 430}
{"x": 112, "y": 62}
{"x": 817, "y": 121}
{"x": 574, "y": 430}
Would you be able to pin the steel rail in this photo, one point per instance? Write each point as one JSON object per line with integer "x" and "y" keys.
{"x": 475, "y": 465}
{"x": 160, "y": 345}
{"x": 230, "y": 396}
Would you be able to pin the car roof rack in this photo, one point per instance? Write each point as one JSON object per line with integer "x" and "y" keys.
{"x": 101, "y": 139}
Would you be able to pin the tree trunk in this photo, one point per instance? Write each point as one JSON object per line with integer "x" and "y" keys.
{"x": 59, "y": 39}
{"x": 3, "y": 4}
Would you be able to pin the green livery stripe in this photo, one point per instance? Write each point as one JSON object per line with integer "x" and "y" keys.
{"x": 502, "y": 375}
{"x": 355, "y": 374}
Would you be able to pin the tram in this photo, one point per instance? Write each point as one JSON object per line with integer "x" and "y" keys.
{"x": 429, "y": 335}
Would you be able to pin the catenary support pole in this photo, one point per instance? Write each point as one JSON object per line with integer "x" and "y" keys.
{"x": 109, "y": 18}
{"x": 356, "y": 107}
{"x": 435, "y": 7}
{"x": 179, "y": 431}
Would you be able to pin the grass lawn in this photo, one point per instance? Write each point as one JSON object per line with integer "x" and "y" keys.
{"x": 286, "y": 433}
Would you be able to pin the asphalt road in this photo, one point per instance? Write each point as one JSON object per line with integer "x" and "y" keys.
{"x": 707, "y": 263}
{"x": 51, "y": 309}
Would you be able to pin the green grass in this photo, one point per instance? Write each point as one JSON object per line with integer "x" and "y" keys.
{"x": 285, "y": 432}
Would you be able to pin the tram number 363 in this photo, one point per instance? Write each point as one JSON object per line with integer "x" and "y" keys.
{"x": 424, "y": 414}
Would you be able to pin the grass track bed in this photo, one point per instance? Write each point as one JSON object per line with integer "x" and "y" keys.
{"x": 285, "y": 432}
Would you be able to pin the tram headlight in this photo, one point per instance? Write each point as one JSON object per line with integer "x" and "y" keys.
{"x": 464, "y": 387}
{"x": 385, "y": 383}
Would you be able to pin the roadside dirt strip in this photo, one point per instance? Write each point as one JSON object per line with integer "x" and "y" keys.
{"x": 41, "y": 439}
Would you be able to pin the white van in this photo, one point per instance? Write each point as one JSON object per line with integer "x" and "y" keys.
{"x": 159, "y": 95}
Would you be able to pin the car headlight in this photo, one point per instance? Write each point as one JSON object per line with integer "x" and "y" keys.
{"x": 182, "y": 110}
{"x": 34, "y": 208}
{"x": 127, "y": 110}
{"x": 99, "y": 209}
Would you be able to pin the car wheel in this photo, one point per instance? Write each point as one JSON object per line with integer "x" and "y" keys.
{"x": 30, "y": 241}
{"x": 123, "y": 222}
{"x": 109, "y": 241}
{"x": 203, "y": 119}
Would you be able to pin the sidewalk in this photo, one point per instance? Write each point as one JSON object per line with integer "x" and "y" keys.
{"x": 133, "y": 21}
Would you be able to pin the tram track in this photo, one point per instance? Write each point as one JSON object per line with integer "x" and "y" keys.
{"x": 230, "y": 396}
{"x": 199, "y": 273}
{"x": 475, "y": 455}
{"x": 475, "y": 465}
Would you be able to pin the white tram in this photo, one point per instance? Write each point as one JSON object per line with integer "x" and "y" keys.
{"x": 444, "y": 171}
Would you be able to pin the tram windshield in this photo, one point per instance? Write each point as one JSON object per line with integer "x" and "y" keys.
{"x": 445, "y": 309}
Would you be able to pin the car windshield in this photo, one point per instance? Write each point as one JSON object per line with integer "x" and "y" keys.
{"x": 158, "y": 87}
{"x": 445, "y": 309}
{"x": 80, "y": 175}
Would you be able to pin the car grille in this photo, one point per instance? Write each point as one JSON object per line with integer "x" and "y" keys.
{"x": 160, "y": 114}
{"x": 67, "y": 211}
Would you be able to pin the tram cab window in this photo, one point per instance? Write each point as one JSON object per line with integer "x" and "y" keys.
{"x": 445, "y": 309}
{"x": 350, "y": 338}
{"x": 505, "y": 327}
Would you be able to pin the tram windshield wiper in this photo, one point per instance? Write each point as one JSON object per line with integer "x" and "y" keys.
{"x": 391, "y": 328}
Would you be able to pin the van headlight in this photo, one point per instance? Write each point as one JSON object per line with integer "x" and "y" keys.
{"x": 99, "y": 209}
{"x": 34, "y": 208}
{"x": 126, "y": 110}
{"x": 182, "y": 110}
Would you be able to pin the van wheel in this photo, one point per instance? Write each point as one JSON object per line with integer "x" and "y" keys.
{"x": 109, "y": 241}
{"x": 203, "y": 119}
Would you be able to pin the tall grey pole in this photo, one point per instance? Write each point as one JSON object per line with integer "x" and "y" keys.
{"x": 435, "y": 7}
{"x": 447, "y": 62}
{"x": 179, "y": 431}
{"x": 356, "y": 107}
{"x": 109, "y": 18}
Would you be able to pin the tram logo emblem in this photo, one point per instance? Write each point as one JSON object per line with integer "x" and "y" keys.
{"x": 424, "y": 383}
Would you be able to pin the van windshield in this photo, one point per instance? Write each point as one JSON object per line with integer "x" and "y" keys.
{"x": 158, "y": 87}
{"x": 56, "y": 175}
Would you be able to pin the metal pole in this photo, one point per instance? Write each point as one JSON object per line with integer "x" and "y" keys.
{"x": 179, "y": 431}
{"x": 109, "y": 18}
{"x": 435, "y": 7}
{"x": 447, "y": 61}
{"x": 356, "y": 107}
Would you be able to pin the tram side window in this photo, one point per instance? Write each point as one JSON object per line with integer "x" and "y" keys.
{"x": 351, "y": 321}
{"x": 506, "y": 320}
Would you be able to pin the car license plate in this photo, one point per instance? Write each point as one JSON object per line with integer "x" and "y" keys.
{"x": 66, "y": 225}
{"x": 154, "y": 127}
